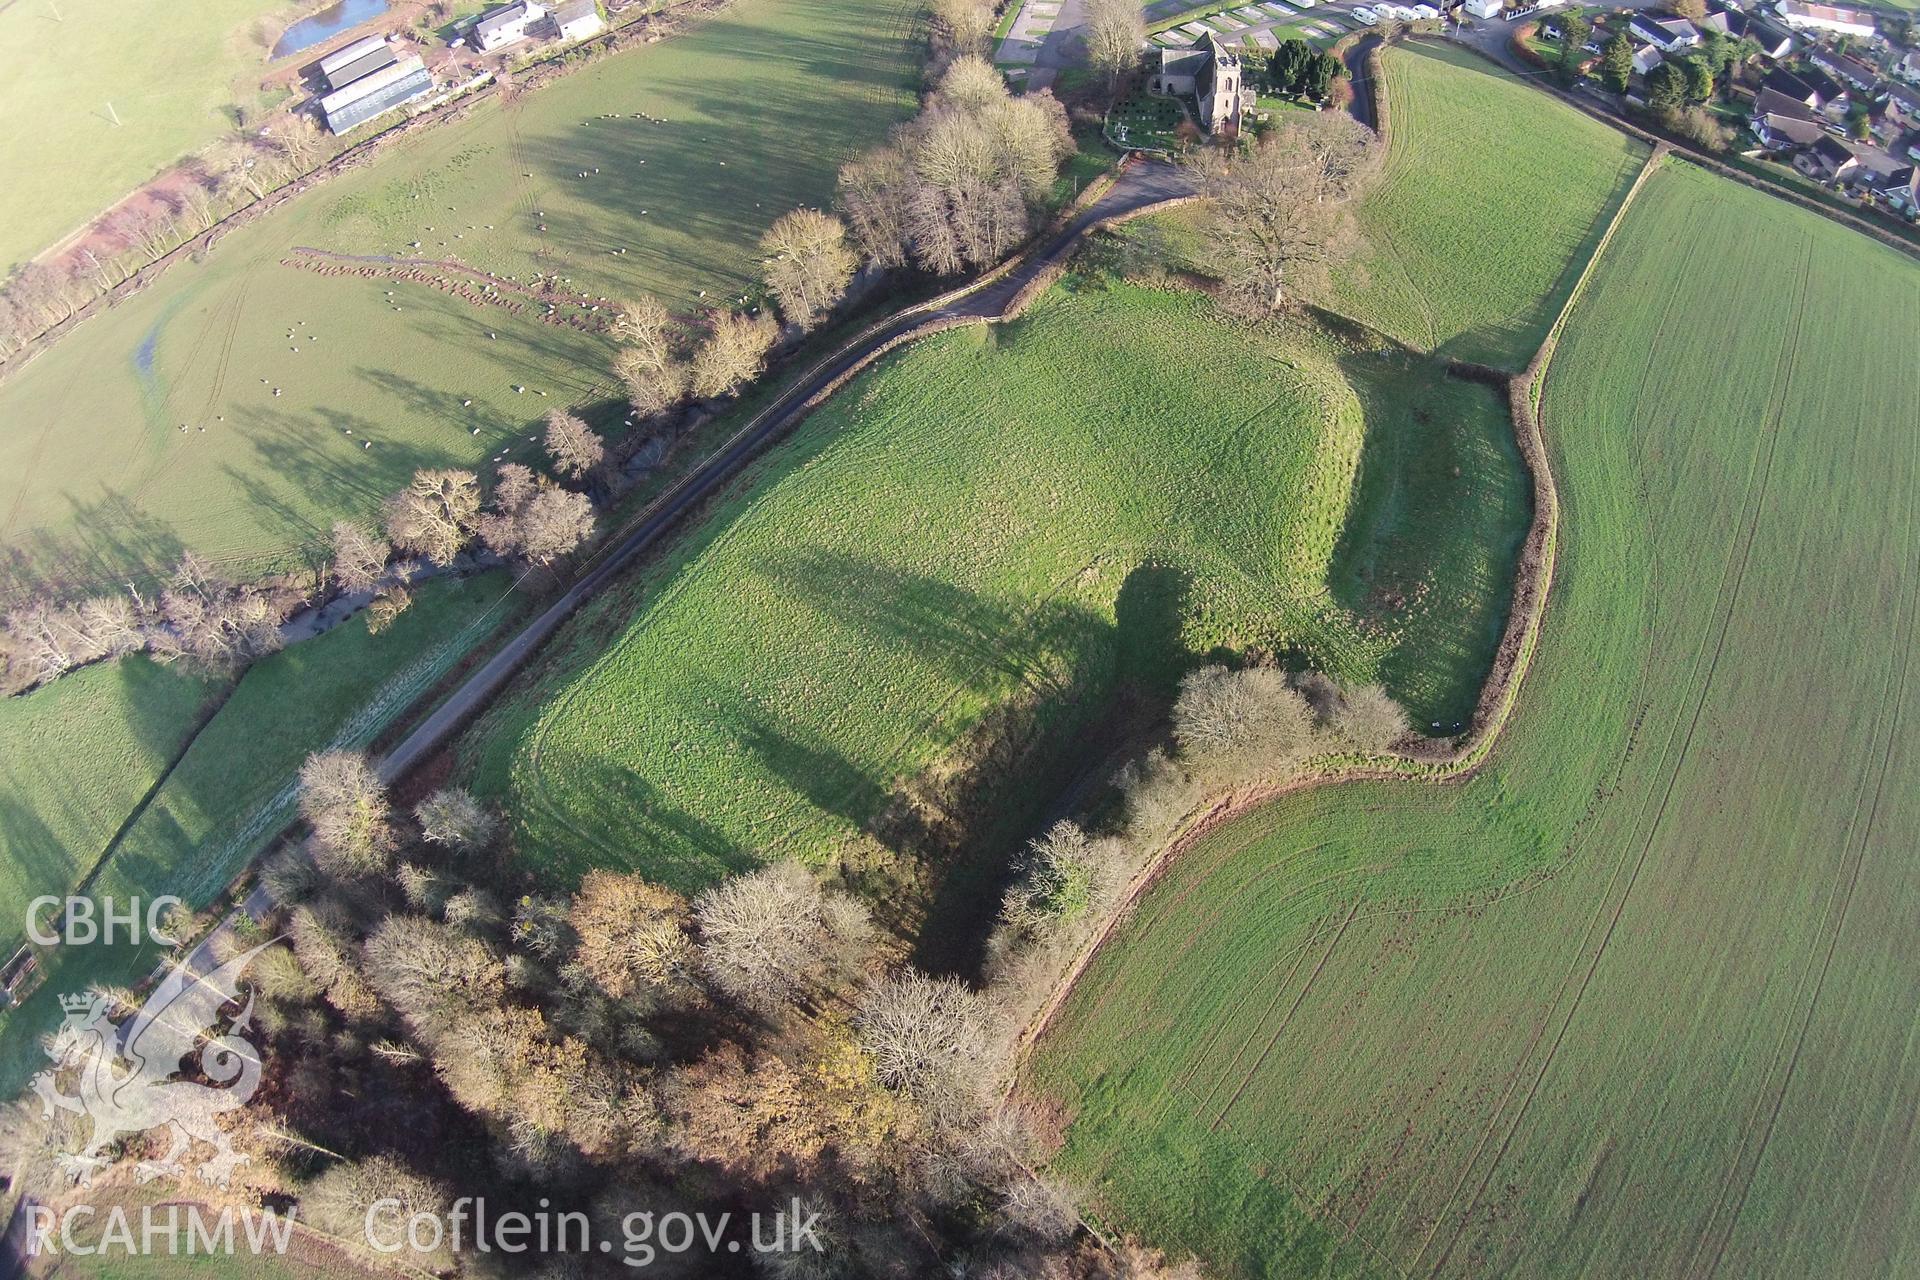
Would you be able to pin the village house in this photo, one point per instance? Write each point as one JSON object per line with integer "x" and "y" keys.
{"x": 1825, "y": 17}
{"x": 1828, "y": 160}
{"x": 1209, "y": 72}
{"x": 1774, "y": 42}
{"x": 1646, "y": 58}
{"x": 1908, "y": 67}
{"x": 578, "y": 20}
{"x": 1900, "y": 105}
{"x": 503, "y": 24}
{"x": 1664, "y": 32}
{"x": 1850, "y": 71}
{"x": 1782, "y": 124}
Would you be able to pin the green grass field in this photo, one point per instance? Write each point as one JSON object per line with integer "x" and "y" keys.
{"x": 233, "y": 788}
{"x": 80, "y": 754}
{"x": 1089, "y": 497}
{"x": 170, "y": 72}
{"x": 1491, "y": 199}
{"x": 757, "y": 109}
{"x": 1639, "y": 998}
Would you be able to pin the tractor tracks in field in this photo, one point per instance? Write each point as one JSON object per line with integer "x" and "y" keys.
{"x": 1840, "y": 902}
{"x": 1725, "y": 609}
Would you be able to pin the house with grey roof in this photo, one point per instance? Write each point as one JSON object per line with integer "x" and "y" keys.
{"x": 503, "y": 24}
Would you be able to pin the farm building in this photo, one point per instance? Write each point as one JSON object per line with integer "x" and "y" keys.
{"x": 579, "y": 20}
{"x": 1210, "y": 72}
{"x": 504, "y": 24}
{"x": 356, "y": 62}
{"x": 376, "y": 93}
{"x": 1825, "y": 17}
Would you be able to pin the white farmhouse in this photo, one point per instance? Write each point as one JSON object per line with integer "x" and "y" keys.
{"x": 504, "y": 24}
{"x": 1825, "y": 17}
{"x": 578, "y": 20}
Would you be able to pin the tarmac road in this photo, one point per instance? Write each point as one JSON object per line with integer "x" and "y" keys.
{"x": 1141, "y": 185}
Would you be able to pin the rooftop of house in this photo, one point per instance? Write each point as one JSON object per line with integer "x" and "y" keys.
{"x": 1833, "y": 150}
{"x": 1798, "y": 131}
{"x": 575, "y": 10}
{"x": 1824, "y": 13}
{"x": 1841, "y": 65}
{"x": 1769, "y": 102}
{"x": 1905, "y": 94}
{"x": 502, "y": 15}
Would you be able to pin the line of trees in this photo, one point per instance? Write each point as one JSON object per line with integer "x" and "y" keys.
{"x": 1231, "y": 729}
{"x": 627, "y": 1048}
{"x": 957, "y": 186}
{"x": 238, "y": 170}
{"x": 201, "y": 616}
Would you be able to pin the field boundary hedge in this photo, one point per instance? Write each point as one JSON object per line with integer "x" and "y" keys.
{"x": 454, "y": 106}
{"x": 1434, "y": 760}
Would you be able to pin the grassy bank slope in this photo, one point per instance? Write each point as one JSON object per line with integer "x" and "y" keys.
{"x": 79, "y": 754}
{"x": 1636, "y": 999}
{"x": 234, "y": 787}
{"x": 168, "y": 70}
{"x": 1079, "y": 502}
{"x": 1489, "y": 205}
{"x": 718, "y": 133}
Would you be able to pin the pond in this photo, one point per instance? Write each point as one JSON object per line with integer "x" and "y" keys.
{"x": 328, "y": 23}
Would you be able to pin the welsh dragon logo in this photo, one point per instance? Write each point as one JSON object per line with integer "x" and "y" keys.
{"x": 123, "y": 1076}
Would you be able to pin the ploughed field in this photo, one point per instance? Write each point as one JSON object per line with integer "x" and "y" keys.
{"x": 1053, "y": 514}
{"x": 1639, "y": 998}
{"x": 366, "y": 303}
{"x": 1490, "y": 203}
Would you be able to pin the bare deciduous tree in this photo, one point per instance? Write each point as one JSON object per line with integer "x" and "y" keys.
{"x": 359, "y": 558}
{"x": 386, "y": 607}
{"x": 1241, "y": 724}
{"x": 767, "y": 937}
{"x": 1279, "y": 212}
{"x": 733, "y": 354}
{"x": 930, "y": 1039}
{"x": 808, "y": 264}
{"x": 353, "y": 1194}
{"x": 1369, "y": 720}
{"x": 955, "y": 188}
{"x": 451, "y": 817}
{"x": 971, "y": 83}
{"x": 435, "y": 514}
{"x": 346, "y": 802}
{"x": 1115, "y": 32}
{"x": 649, "y": 362}
{"x": 572, "y": 445}
{"x": 633, "y": 935}
{"x": 534, "y": 522}
{"x": 967, "y": 23}
{"x": 873, "y": 193}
